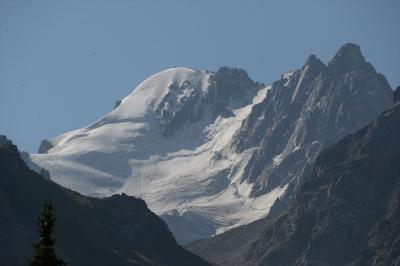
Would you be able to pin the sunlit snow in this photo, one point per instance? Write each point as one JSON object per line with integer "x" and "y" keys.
{"x": 193, "y": 171}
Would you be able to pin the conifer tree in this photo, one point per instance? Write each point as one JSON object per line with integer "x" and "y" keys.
{"x": 44, "y": 248}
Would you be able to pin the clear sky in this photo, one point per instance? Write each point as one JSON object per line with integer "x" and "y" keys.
{"x": 63, "y": 64}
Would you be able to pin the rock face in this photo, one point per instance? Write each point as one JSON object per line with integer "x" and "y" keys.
{"x": 119, "y": 230}
{"x": 44, "y": 146}
{"x": 396, "y": 95}
{"x": 177, "y": 108}
{"x": 209, "y": 151}
{"x": 307, "y": 110}
{"x": 226, "y": 85}
{"x": 117, "y": 103}
{"x": 346, "y": 212}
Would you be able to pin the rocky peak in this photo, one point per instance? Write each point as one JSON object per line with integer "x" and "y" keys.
{"x": 347, "y": 58}
{"x": 314, "y": 107}
{"x": 231, "y": 74}
{"x": 313, "y": 66}
{"x": 229, "y": 83}
{"x": 232, "y": 82}
{"x": 5, "y": 142}
{"x": 44, "y": 146}
{"x": 188, "y": 101}
{"x": 314, "y": 62}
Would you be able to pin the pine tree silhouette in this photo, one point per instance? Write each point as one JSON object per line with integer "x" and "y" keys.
{"x": 44, "y": 250}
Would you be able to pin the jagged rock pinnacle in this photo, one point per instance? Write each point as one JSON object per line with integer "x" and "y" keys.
{"x": 348, "y": 57}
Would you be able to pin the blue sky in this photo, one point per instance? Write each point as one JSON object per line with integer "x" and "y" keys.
{"x": 63, "y": 64}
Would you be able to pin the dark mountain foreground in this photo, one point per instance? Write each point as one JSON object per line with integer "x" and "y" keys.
{"x": 118, "y": 230}
{"x": 346, "y": 212}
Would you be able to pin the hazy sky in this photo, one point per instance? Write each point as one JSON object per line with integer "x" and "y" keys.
{"x": 63, "y": 64}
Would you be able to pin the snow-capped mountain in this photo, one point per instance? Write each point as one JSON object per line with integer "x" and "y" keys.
{"x": 164, "y": 143}
{"x": 211, "y": 151}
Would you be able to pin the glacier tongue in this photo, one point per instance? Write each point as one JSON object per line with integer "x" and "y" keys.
{"x": 188, "y": 173}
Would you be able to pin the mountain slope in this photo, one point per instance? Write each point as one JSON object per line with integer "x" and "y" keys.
{"x": 211, "y": 151}
{"x": 305, "y": 111}
{"x": 119, "y": 230}
{"x": 346, "y": 211}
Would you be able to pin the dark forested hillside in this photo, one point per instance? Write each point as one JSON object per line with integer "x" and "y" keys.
{"x": 119, "y": 230}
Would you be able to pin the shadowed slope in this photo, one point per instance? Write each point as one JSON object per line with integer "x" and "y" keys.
{"x": 119, "y": 230}
{"x": 346, "y": 211}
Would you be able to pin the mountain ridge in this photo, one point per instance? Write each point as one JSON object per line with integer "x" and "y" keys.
{"x": 218, "y": 146}
{"x": 346, "y": 211}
